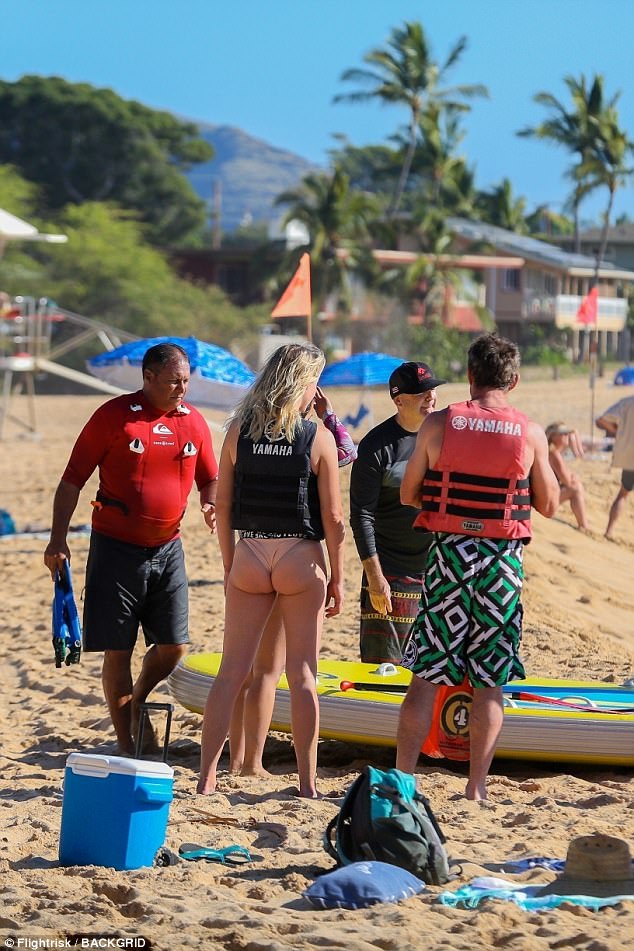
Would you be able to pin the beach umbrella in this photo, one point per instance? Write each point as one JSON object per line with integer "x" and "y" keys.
{"x": 366, "y": 369}
{"x": 218, "y": 379}
{"x": 624, "y": 377}
{"x": 361, "y": 369}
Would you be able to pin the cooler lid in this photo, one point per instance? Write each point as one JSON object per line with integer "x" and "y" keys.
{"x": 98, "y": 764}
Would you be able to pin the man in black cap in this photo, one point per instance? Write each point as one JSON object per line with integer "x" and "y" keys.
{"x": 392, "y": 553}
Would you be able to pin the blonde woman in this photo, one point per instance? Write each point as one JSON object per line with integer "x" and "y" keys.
{"x": 253, "y": 710}
{"x": 279, "y": 488}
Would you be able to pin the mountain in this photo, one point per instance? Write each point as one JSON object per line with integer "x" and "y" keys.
{"x": 249, "y": 174}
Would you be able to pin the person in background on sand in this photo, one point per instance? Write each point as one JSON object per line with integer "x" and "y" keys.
{"x": 561, "y": 438}
{"x": 393, "y": 555}
{"x": 149, "y": 447}
{"x": 477, "y": 468}
{"x": 618, "y": 421}
{"x": 279, "y": 488}
{"x": 254, "y": 707}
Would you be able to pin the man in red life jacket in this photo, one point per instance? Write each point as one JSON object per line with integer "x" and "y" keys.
{"x": 476, "y": 470}
{"x": 149, "y": 447}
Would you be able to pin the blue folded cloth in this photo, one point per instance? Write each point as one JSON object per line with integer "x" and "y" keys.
{"x": 535, "y": 861}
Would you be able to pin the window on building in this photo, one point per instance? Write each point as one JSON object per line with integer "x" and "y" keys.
{"x": 511, "y": 279}
{"x": 550, "y": 284}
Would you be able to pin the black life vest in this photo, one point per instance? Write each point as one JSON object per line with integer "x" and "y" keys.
{"x": 275, "y": 489}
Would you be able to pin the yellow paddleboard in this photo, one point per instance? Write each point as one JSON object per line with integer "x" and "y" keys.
{"x": 560, "y": 721}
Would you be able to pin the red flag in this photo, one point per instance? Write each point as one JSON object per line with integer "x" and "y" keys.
{"x": 589, "y": 307}
{"x": 296, "y": 299}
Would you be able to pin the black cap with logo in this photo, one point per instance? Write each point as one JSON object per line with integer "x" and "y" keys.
{"x": 413, "y": 378}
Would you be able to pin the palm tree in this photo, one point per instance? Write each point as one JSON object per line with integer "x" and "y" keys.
{"x": 336, "y": 217}
{"x": 575, "y": 128}
{"x": 428, "y": 283}
{"x": 606, "y": 165}
{"x": 500, "y": 207}
{"x": 448, "y": 182}
{"x": 405, "y": 74}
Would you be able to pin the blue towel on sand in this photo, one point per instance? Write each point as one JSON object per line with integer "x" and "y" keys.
{"x": 535, "y": 861}
{"x": 526, "y": 896}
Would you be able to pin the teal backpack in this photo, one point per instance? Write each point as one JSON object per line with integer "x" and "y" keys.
{"x": 384, "y": 819}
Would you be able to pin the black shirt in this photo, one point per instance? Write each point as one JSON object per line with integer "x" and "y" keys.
{"x": 381, "y": 524}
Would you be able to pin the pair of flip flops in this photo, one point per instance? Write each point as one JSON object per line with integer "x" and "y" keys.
{"x": 231, "y": 855}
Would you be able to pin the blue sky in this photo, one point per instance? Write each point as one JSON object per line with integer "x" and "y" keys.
{"x": 272, "y": 67}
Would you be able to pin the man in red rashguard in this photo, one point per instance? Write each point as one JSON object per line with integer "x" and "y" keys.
{"x": 149, "y": 448}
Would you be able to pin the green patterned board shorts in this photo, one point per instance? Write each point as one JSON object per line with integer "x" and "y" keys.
{"x": 384, "y": 637}
{"x": 470, "y": 619}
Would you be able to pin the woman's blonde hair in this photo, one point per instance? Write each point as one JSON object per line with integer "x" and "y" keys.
{"x": 270, "y": 408}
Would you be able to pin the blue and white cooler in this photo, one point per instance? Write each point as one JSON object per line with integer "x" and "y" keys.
{"x": 115, "y": 810}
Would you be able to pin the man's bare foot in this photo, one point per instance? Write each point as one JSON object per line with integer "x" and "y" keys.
{"x": 125, "y": 749}
{"x": 610, "y": 538}
{"x": 310, "y": 793}
{"x": 476, "y": 792}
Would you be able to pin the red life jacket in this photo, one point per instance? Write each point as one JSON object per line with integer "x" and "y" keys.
{"x": 477, "y": 486}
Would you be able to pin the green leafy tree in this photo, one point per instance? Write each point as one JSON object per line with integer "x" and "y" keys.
{"x": 17, "y": 196}
{"x": 80, "y": 144}
{"x": 106, "y": 271}
{"x": 544, "y": 222}
{"x": 500, "y": 207}
{"x": 18, "y": 270}
{"x": 445, "y": 349}
{"x": 404, "y": 73}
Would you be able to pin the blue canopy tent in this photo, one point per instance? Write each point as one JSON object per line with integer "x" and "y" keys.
{"x": 218, "y": 379}
{"x": 361, "y": 370}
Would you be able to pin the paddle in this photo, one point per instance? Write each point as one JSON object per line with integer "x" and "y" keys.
{"x": 378, "y": 688}
{"x": 511, "y": 694}
{"x": 588, "y": 707}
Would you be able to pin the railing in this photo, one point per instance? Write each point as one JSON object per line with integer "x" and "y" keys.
{"x": 562, "y": 309}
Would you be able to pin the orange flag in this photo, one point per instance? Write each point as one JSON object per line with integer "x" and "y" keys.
{"x": 296, "y": 299}
{"x": 589, "y": 307}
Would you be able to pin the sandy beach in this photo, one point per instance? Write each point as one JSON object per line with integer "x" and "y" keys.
{"x": 578, "y": 624}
